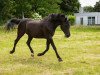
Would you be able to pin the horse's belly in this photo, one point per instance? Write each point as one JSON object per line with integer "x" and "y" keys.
{"x": 36, "y": 34}
{"x": 39, "y": 36}
{"x": 35, "y": 30}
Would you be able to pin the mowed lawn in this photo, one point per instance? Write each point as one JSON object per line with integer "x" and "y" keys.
{"x": 80, "y": 53}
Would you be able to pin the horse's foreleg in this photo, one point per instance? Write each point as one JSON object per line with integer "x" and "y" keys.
{"x": 54, "y": 47}
{"x": 28, "y": 43}
{"x": 47, "y": 48}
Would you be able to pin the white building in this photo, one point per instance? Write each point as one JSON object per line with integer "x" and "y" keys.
{"x": 87, "y": 18}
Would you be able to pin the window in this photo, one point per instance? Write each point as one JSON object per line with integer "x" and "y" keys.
{"x": 91, "y": 20}
{"x": 81, "y": 21}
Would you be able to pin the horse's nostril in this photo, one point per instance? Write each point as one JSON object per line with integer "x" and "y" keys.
{"x": 68, "y": 35}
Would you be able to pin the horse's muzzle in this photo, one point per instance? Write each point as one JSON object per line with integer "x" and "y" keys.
{"x": 67, "y": 35}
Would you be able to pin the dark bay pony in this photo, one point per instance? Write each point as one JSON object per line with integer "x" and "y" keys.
{"x": 44, "y": 28}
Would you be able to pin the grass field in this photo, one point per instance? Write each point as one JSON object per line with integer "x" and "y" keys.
{"x": 80, "y": 54}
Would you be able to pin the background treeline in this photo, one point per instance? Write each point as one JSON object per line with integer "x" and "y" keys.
{"x": 27, "y": 8}
{"x": 40, "y": 8}
{"x": 96, "y": 8}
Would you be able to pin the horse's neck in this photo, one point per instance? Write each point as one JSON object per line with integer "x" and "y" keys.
{"x": 55, "y": 24}
{"x": 53, "y": 27}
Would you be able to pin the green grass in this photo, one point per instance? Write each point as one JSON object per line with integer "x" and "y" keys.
{"x": 80, "y": 54}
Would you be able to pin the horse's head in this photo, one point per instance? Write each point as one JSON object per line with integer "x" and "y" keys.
{"x": 60, "y": 19}
{"x": 65, "y": 26}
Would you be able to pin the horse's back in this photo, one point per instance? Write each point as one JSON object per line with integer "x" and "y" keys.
{"x": 35, "y": 29}
{"x": 33, "y": 25}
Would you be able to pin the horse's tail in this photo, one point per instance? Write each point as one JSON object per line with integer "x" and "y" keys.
{"x": 10, "y": 24}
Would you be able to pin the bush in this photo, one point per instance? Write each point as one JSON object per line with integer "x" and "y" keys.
{"x": 36, "y": 16}
{"x": 2, "y": 22}
{"x": 42, "y": 11}
{"x": 71, "y": 19}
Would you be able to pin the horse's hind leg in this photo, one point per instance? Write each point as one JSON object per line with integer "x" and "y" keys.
{"x": 19, "y": 35}
{"x": 28, "y": 43}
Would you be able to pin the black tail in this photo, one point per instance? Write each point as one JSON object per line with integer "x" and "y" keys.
{"x": 10, "y": 24}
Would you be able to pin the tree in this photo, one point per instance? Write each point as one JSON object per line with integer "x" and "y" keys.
{"x": 88, "y": 9}
{"x": 6, "y": 9}
{"x": 69, "y": 6}
{"x": 45, "y": 7}
{"x": 23, "y": 8}
{"x": 97, "y": 6}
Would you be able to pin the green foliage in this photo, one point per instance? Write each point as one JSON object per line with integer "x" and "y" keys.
{"x": 22, "y": 7}
{"x": 88, "y": 9}
{"x": 97, "y": 6}
{"x": 69, "y": 6}
{"x": 45, "y": 7}
{"x": 1, "y": 22}
{"x": 26, "y": 8}
{"x": 36, "y": 16}
{"x": 6, "y": 9}
{"x": 71, "y": 19}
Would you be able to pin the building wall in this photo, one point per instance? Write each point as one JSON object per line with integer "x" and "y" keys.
{"x": 85, "y": 20}
{"x": 98, "y": 19}
{"x": 85, "y": 17}
{"x": 78, "y": 21}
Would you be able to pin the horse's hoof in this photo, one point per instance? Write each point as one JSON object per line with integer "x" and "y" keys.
{"x": 11, "y": 52}
{"x": 32, "y": 55}
{"x": 39, "y": 54}
{"x": 60, "y": 60}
